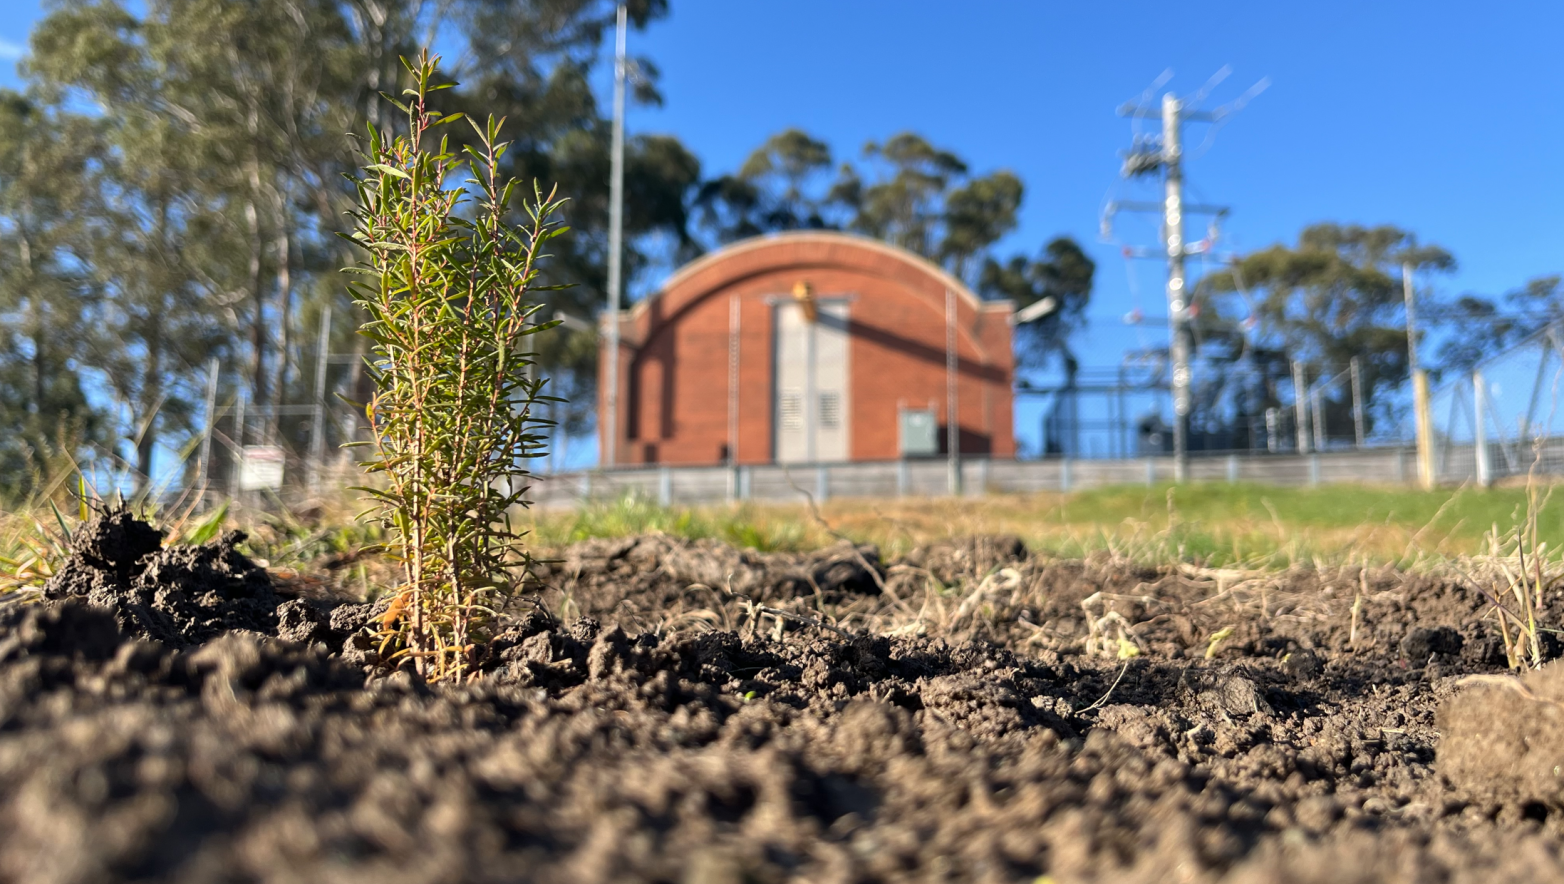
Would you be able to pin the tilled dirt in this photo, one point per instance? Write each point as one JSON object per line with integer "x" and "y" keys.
{"x": 667, "y": 711}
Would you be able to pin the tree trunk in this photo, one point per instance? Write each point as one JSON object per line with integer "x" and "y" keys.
{"x": 36, "y": 320}
{"x": 258, "y": 303}
{"x": 284, "y": 306}
{"x": 151, "y": 396}
{"x": 252, "y": 215}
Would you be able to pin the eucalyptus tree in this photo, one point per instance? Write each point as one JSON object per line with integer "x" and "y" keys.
{"x": 1482, "y": 326}
{"x": 1335, "y": 295}
{"x": 47, "y": 300}
{"x": 1063, "y": 272}
{"x": 773, "y": 190}
{"x": 905, "y": 204}
{"x": 205, "y": 109}
{"x": 915, "y": 195}
{"x": 228, "y": 132}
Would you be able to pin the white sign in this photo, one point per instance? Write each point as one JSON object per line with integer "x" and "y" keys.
{"x": 261, "y": 469}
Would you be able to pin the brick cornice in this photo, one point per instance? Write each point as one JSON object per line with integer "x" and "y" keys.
{"x": 802, "y": 250}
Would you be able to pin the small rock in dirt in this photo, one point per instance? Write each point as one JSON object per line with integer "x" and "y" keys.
{"x": 608, "y": 653}
{"x": 968, "y": 557}
{"x": 348, "y": 619}
{"x": 1423, "y": 642}
{"x": 841, "y": 569}
{"x": 1303, "y": 664}
{"x": 1480, "y": 644}
{"x": 301, "y": 622}
{"x": 1136, "y": 725}
{"x": 1226, "y": 693}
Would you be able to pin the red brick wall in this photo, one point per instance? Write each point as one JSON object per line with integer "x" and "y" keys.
{"x": 674, "y": 356}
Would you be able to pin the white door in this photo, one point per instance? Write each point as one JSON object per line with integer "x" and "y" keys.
{"x": 811, "y": 393}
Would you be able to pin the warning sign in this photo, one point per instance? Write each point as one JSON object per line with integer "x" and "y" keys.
{"x": 261, "y": 469}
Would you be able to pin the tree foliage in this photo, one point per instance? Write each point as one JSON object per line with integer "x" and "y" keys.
{"x": 1335, "y": 295}
{"x": 176, "y": 169}
{"x": 207, "y": 148}
{"x": 1481, "y": 327}
{"x": 50, "y": 305}
{"x": 907, "y": 192}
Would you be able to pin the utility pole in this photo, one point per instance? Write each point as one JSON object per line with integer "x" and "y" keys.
{"x": 616, "y": 199}
{"x": 1480, "y": 430}
{"x": 1422, "y": 417}
{"x": 1145, "y": 158}
{"x": 952, "y": 406}
{"x": 1173, "y": 235}
{"x": 734, "y": 317}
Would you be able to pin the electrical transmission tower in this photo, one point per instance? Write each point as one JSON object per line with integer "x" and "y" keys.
{"x": 1148, "y": 156}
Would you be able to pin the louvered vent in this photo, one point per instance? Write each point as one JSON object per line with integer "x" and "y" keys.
{"x": 830, "y": 410}
{"x": 792, "y": 410}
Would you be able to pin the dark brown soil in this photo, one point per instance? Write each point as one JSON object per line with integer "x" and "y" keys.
{"x": 666, "y": 711}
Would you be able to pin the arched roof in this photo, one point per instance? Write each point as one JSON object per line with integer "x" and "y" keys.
{"x": 749, "y": 258}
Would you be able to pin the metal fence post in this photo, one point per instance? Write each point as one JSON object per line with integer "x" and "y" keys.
{"x": 1064, "y": 474}
{"x": 822, "y": 484}
{"x": 1317, "y": 400}
{"x": 664, "y": 486}
{"x": 1355, "y": 366}
{"x": 903, "y": 479}
{"x": 1232, "y": 468}
{"x": 238, "y": 443}
{"x": 318, "y": 426}
{"x": 1314, "y": 469}
{"x": 1480, "y": 431}
{"x": 1151, "y": 471}
{"x": 1300, "y": 405}
{"x": 211, "y": 424}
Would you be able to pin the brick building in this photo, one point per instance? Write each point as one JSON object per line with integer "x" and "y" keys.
{"x": 808, "y": 347}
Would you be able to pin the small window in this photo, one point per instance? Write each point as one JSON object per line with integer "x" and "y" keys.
{"x": 792, "y": 410}
{"x": 830, "y": 410}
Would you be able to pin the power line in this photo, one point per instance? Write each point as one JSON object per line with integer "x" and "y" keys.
{"x": 1150, "y": 155}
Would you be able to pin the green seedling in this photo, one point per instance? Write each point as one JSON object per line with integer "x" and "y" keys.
{"x": 448, "y": 287}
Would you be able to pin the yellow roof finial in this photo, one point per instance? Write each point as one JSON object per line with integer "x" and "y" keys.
{"x": 804, "y": 294}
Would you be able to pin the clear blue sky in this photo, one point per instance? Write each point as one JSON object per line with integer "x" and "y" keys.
{"x": 1436, "y": 116}
{"x": 1439, "y": 117}
{"x": 1431, "y": 116}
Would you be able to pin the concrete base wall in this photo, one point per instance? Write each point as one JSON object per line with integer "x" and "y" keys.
{"x": 932, "y": 478}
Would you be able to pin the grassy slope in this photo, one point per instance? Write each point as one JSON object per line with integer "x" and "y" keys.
{"x": 1214, "y": 523}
